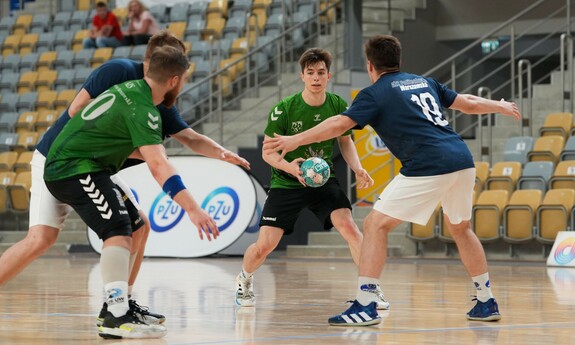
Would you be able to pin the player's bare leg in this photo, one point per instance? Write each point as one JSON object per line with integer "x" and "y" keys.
{"x": 268, "y": 239}
{"x": 38, "y": 240}
{"x": 473, "y": 257}
{"x": 343, "y": 222}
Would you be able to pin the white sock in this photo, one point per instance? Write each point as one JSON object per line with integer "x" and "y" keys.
{"x": 483, "y": 287}
{"x": 365, "y": 288}
{"x": 130, "y": 288}
{"x": 246, "y": 275}
{"x": 117, "y": 297}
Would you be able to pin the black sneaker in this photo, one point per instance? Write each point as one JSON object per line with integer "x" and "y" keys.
{"x": 129, "y": 326}
{"x": 146, "y": 314}
{"x": 102, "y": 315}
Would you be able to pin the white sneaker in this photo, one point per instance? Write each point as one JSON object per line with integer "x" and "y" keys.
{"x": 244, "y": 291}
{"x": 379, "y": 298}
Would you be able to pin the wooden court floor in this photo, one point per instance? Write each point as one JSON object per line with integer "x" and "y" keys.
{"x": 56, "y": 300}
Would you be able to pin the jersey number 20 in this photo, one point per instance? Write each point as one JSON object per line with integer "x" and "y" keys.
{"x": 430, "y": 108}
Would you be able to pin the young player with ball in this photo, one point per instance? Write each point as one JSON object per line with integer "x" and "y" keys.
{"x": 288, "y": 193}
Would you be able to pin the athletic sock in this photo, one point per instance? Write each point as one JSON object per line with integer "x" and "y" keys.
{"x": 114, "y": 263}
{"x": 366, "y": 288}
{"x": 483, "y": 287}
{"x": 246, "y": 275}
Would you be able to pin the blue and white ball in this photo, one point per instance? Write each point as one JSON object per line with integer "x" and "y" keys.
{"x": 315, "y": 171}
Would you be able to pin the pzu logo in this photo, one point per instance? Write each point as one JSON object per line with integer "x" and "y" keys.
{"x": 165, "y": 213}
{"x": 223, "y": 205}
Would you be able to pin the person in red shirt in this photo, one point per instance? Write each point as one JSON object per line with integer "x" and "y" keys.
{"x": 106, "y": 30}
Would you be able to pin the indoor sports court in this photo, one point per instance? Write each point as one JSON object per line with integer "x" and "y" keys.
{"x": 57, "y": 299}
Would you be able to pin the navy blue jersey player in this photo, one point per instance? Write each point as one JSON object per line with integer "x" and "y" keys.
{"x": 406, "y": 111}
{"x": 47, "y": 214}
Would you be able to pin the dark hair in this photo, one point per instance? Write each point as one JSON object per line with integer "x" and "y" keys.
{"x": 167, "y": 62}
{"x": 383, "y": 52}
{"x": 101, "y": 4}
{"x": 313, "y": 56}
{"x": 162, "y": 39}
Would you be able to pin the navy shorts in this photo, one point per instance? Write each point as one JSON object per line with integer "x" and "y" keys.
{"x": 283, "y": 206}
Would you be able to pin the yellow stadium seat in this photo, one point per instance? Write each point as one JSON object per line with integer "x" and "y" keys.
{"x": 504, "y": 175}
{"x": 557, "y": 124}
{"x": 27, "y": 81}
{"x": 218, "y": 6}
{"x": 23, "y": 161}
{"x": 214, "y": 28}
{"x": 258, "y": 18}
{"x": 101, "y": 55}
{"x": 26, "y": 122}
{"x": 19, "y": 192}
{"x": 26, "y": 141}
{"x": 487, "y": 213}
{"x": 78, "y": 41}
{"x": 6, "y": 179}
{"x": 122, "y": 14}
{"x": 547, "y": 148}
{"x": 28, "y": 44}
{"x": 238, "y": 51}
{"x": 422, "y": 233}
{"x": 553, "y": 214}
{"x": 563, "y": 176}
{"x": 65, "y": 97}
{"x": 22, "y": 24}
{"x": 519, "y": 215}
{"x": 177, "y": 29}
{"x": 46, "y": 80}
{"x": 11, "y": 44}
{"x": 7, "y": 160}
{"x": 45, "y": 119}
{"x": 45, "y": 61}
{"x": 85, "y": 5}
{"x": 46, "y": 99}
{"x": 481, "y": 174}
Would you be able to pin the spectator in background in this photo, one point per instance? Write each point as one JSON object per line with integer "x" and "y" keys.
{"x": 106, "y": 30}
{"x": 141, "y": 24}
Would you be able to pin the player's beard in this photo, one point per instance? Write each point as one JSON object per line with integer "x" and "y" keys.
{"x": 170, "y": 97}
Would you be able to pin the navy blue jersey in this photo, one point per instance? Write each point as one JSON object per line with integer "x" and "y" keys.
{"x": 406, "y": 111}
{"x": 111, "y": 73}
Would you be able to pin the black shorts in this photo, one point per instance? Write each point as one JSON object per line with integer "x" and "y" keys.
{"x": 283, "y": 206}
{"x": 136, "y": 220}
{"x": 97, "y": 200}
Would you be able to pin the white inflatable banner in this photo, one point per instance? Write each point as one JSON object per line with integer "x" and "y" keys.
{"x": 223, "y": 190}
{"x": 563, "y": 251}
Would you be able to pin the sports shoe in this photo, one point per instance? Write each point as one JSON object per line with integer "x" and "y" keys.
{"x": 484, "y": 311}
{"x": 382, "y": 303}
{"x": 244, "y": 291}
{"x": 143, "y": 313}
{"x": 129, "y": 326}
{"x": 357, "y": 315}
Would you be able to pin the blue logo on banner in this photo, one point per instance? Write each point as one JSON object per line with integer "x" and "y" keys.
{"x": 135, "y": 195}
{"x": 165, "y": 213}
{"x": 223, "y": 205}
{"x": 254, "y": 225}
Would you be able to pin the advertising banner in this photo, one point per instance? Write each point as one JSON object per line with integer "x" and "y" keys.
{"x": 563, "y": 251}
{"x": 223, "y": 190}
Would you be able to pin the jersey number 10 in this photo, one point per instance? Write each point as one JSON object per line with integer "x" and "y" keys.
{"x": 430, "y": 108}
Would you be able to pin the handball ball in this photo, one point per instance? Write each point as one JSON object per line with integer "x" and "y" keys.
{"x": 315, "y": 171}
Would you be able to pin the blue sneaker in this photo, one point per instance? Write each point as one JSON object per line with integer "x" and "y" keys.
{"x": 484, "y": 311}
{"x": 357, "y": 315}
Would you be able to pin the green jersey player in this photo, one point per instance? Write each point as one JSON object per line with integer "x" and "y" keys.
{"x": 288, "y": 194}
{"x": 92, "y": 147}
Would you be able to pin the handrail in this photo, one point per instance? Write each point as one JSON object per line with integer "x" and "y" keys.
{"x": 566, "y": 51}
{"x": 521, "y": 65}
{"x": 484, "y": 91}
{"x": 489, "y": 34}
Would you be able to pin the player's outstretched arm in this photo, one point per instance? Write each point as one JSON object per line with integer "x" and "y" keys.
{"x": 328, "y": 129}
{"x": 349, "y": 153}
{"x": 207, "y": 147}
{"x": 275, "y": 160}
{"x": 471, "y": 104}
{"x": 166, "y": 175}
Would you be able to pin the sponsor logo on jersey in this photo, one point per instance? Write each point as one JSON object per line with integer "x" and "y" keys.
{"x": 223, "y": 205}
{"x": 296, "y": 126}
{"x": 153, "y": 121}
{"x": 274, "y": 115}
{"x": 410, "y": 84}
{"x": 273, "y": 219}
{"x": 317, "y": 117}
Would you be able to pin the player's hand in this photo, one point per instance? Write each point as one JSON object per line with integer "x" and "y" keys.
{"x": 295, "y": 170}
{"x": 283, "y": 143}
{"x": 510, "y": 109}
{"x": 204, "y": 223}
{"x": 231, "y": 157}
{"x": 363, "y": 179}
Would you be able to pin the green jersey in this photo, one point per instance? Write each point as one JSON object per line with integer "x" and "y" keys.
{"x": 103, "y": 134}
{"x": 293, "y": 115}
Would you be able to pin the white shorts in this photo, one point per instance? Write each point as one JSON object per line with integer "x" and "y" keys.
{"x": 45, "y": 209}
{"x": 413, "y": 199}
